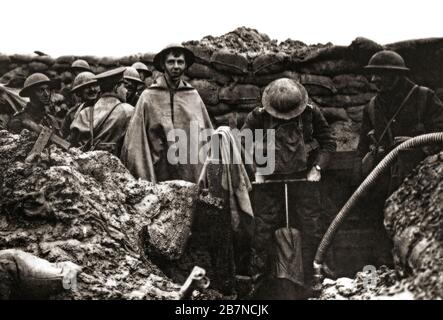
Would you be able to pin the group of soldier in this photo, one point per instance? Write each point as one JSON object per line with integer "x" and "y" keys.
{"x": 114, "y": 111}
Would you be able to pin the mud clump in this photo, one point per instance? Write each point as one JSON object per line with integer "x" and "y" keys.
{"x": 414, "y": 220}
{"x": 87, "y": 209}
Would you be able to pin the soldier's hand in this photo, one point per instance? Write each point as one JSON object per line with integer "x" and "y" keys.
{"x": 314, "y": 175}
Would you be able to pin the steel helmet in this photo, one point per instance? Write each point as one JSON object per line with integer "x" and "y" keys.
{"x": 189, "y": 55}
{"x": 285, "y": 98}
{"x": 386, "y": 60}
{"x": 33, "y": 81}
{"x": 83, "y": 79}
{"x": 132, "y": 74}
{"x": 142, "y": 68}
{"x": 81, "y": 64}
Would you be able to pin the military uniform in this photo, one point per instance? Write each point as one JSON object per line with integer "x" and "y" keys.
{"x": 421, "y": 113}
{"x": 316, "y": 135}
{"x": 302, "y": 140}
{"x": 102, "y": 126}
{"x": 36, "y": 114}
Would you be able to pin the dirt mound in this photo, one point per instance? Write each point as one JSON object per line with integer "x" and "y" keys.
{"x": 414, "y": 220}
{"x": 248, "y": 40}
{"x": 385, "y": 286}
{"x": 86, "y": 208}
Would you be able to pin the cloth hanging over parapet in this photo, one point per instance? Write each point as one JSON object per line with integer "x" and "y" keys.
{"x": 235, "y": 179}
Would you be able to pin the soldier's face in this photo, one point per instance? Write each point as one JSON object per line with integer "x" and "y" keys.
{"x": 121, "y": 91}
{"x": 385, "y": 82}
{"x": 90, "y": 93}
{"x": 41, "y": 94}
{"x": 175, "y": 65}
{"x": 131, "y": 87}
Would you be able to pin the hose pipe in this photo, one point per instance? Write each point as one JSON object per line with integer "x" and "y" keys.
{"x": 362, "y": 190}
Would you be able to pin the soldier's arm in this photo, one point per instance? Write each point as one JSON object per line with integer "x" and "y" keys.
{"x": 254, "y": 120}
{"x": 323, "y": 134}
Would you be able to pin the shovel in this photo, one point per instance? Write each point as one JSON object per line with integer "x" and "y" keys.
{"x": 286, "y": 279}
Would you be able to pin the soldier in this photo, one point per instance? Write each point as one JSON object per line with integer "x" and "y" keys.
{"x": 79, "y": 66}
{"x": 302, "y": 144}
{"x": 142, "y": 70}
{"x": 145, "y": 76}
{"x": 103, "y": 126}
{"x": 167, "y": 105}
{"x": 133, "y": 85}
{"x": 86, "y": 89}
{"x": 38, "y": 88}
{"x": 401, "y": 109}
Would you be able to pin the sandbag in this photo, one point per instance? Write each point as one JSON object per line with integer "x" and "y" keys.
{"x": 15, "y": 78}
{"x": 200, "y": 71}
{"x": 31, "y": 277}
{"x": 108, "y": 62}
{"x": 38, "y": 67}
{"x": 269, "y": 63}
{"x": 352, "y": 84}
{"x": 330, "y": 67}
{"x": 208, "y": 91}
{"x": 61, "y": 66}
{"x": 21, "y": 58}
{"x": 315, "y": 90}
{"x": 334, "y": 114}
{"x": 264, "y": 80}
{"x": 147, "y": 58}
{"x": 343, "y": 101}
{"x": 355, "y": 113}
{"x": 4, "y": 59}
{"x": 202, "y": 53}
{"x": 241, "y": 93}
{"x": 65, "y": 59}
{"x": 91, "y": 60}
{"x": 48, "y": 60}
{"x": 128, "y": 60}
{"x": 229, "y": 62}
{"x": 219, "y": 109}
{"x": 362, "y": 49}
{"x": 317, "y": 85}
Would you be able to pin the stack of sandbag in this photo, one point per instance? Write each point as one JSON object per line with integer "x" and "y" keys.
{"x": 231, "y": 71}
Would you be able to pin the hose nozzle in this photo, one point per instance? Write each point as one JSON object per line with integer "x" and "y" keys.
{"x": 317, "y": 278}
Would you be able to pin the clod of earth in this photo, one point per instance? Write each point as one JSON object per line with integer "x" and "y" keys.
{"x": 87, "y": 209}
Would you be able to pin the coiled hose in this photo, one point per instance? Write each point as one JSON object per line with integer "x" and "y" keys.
{"x": 382, "y": 167}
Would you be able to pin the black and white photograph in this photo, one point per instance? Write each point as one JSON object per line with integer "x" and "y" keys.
{"x": 230, "y": 151}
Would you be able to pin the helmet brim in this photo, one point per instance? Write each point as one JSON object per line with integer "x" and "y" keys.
{"x": 134, "y": 79}
{"x": 372, "y": 69}
{"x": 189, "y": 57}
{"x": 26, "y": 90}
{"x": 80, "y": 86}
